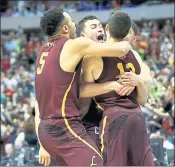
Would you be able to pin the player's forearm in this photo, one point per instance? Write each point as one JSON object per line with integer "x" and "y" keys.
{"x": 37, "y": 121}
{"x": 118, "y": 49}
{"x": 142, "y": 93}
{"x": 94, "y": 89}
{"x": 147, "y": 80}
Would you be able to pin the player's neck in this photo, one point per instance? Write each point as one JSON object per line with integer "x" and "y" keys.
{"x": 59, "y": 35}
{"x": 112, "y": 40}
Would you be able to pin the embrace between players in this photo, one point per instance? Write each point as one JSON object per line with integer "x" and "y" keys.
{"x": 110, "y": 77}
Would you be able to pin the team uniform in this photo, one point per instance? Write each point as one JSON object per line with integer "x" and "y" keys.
{"x": 91, "y": 122}
{"x": 61, "y": 131}
{"x": 123, "y": 134}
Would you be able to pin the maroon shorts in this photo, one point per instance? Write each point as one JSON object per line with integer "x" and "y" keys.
{"x": 68, "y": 142}
{"x": 123, "y": 138}
{"x": 93, "y": 131}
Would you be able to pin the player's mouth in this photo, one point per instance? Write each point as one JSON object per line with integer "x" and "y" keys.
{"x": 100, "y": 38}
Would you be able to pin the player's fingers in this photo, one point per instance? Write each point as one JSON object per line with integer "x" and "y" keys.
{"x": 45, "y": 161}
{"x": 127, "y": 73}
{"x": 124, "y": 76}
{"x": 125, "y": 92}
{"x": 48, "y": 162}
{"x": 129, "y": 92}
{"x": 42, "y": 160}
{"x": 122, "y": 92}
{"x": 39, "y": 159}
{"x": 125, "y": 80}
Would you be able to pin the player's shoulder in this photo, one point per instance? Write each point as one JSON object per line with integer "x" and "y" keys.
{"x": 135, "y": 53}
{"x": 137, "y": 56}
{"x": 78, "y": 45}
{"x": 80, "y": 41}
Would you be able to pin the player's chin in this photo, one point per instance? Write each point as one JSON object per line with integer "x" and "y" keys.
{"x": 101, "y": 41}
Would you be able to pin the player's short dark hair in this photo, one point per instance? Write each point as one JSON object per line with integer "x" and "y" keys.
{"x": 51, "y": 21}
{"x": 81, "y": 23}
{"x": 119, "y": 24}
{"x": 116, "y": 9}
{"x": 134, "y": 27}
{"x": 133, "y": 24}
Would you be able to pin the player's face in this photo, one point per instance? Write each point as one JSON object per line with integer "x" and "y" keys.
{"x": 131, "y": 37}
{"x": 93, "y": 29}
{"x": 71, "y": 29}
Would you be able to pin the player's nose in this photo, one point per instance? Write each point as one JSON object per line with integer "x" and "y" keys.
{"x": 100, "y": 30}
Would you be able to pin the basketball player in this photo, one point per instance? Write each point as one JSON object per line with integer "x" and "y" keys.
{"x": 122, "y": 131}
{"x": 91, "y": 27}
{"x": 61, "y": 132}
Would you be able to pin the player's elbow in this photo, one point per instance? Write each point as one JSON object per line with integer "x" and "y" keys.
{"x": 82, "y": 93}
{"x": 149, "y": 81}
{"x": 142, "y": 100}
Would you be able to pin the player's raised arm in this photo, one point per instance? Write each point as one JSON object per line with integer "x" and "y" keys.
{"x": 85, "y": 46}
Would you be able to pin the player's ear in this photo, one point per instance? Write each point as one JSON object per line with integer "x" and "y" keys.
{"x": 82, "y": 35}
{"x": 135, "y": 38}
{"x": 65, "y": 28}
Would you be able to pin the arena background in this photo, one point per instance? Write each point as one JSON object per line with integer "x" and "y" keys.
{"x": 21, "y": 39}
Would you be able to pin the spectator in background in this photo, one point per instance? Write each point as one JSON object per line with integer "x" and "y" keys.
{"x": 166, "y": 144}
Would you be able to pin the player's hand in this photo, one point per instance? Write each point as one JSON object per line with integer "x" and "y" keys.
{"x": 129, "y": 79}
{"x": 117, "y": 87}
{"x": 126, "y": 91}
{"x": 44, "y": 157}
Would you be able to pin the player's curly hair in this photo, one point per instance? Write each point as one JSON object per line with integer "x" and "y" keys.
{"x": 119, "y": 24}
{"x": 51, "y": 21}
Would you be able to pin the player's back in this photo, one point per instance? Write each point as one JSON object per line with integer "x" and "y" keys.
{"x": 56, "y": 90}
{"x": 112, "y": 67}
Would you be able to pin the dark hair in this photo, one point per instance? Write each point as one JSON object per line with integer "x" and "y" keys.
{"x": 51, "y": 21}
{"x": 134, "y": 27}
{"x": 119, "y": 24}
{"x": 81, "y": 23}
{"x": 117, "y": 9}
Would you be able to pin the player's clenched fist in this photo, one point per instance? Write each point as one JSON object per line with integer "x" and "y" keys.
{"x": 44, "y": 157}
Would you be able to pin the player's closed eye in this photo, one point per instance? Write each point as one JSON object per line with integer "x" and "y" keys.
{"x": 93, "y": 26}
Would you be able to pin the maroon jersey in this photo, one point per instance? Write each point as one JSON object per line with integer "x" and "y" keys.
{"x": 113, "y": 66}
{"x": 57, "y": 91}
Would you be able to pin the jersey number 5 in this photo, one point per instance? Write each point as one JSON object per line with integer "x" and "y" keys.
{"x": 128, "y": 65}
{"x": 42, "y": 62}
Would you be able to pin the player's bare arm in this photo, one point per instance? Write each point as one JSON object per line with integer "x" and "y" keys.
{"x": 74, "y": 50}
{"x": 91, "y": 72}
{"x": 44, "y": 157}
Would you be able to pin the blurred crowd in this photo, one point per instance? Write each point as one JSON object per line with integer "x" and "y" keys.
{"x": 18, "y": 55}
{"x": 36, "y": 8}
